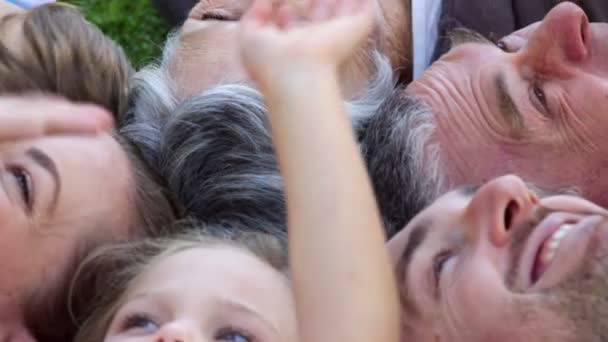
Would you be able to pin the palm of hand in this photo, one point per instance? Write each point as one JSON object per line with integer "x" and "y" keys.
{"x": 280, "y": 39}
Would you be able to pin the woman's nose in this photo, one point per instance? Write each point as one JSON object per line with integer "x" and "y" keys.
{"x": 499, "y": 207}
{"x": 562, "y": 36}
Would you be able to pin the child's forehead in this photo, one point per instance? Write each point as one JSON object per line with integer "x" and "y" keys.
{"x": 212, "y": 268}
{"x": 215, "y": 279}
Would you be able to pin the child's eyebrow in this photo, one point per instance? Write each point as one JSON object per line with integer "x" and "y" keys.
{"x": 233, "y": 306}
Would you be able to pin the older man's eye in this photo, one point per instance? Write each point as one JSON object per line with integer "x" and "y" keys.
{"x": 439, "y": 262}
{"x": 140, "y": 322}
{"x": 540, "y": 99}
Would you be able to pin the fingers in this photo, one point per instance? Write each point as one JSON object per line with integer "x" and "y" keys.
{"x": 34, "y": 116}
{"x": 260, "y": 13}
{"x": 287, "y": 14}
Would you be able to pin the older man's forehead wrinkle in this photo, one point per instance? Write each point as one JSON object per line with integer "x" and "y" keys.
{"x": 508, "y": 108}
{"x": 416, "y": 239}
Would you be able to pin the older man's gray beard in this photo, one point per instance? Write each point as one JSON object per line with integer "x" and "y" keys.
{"x": 581, "y": 300}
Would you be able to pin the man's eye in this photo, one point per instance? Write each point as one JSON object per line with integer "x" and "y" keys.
{"x": 232, "y": 335}
{"x": 540, "y": 99}
{"x": 439, "y": 262}
{"x": 24, "y": 182}
{"x": 540, "y": 95}
{"x": 140, "y": 322}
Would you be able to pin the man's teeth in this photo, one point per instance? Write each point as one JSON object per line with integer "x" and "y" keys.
{"x": 552, "y": 244}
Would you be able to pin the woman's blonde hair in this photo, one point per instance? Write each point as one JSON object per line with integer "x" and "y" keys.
{"x": 63, "y": 54}
{"x": 99, "y": 286}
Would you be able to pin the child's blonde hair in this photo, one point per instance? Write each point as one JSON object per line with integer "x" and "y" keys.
{"x": 101, "y": 282}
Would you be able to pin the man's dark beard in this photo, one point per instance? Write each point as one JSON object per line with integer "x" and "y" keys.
{"x": 581, "y": 299}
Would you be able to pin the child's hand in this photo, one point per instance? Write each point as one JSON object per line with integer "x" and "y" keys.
{"x": 280, "y": 40}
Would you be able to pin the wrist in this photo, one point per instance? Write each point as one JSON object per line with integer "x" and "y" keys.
{"x": 299, "y": 77}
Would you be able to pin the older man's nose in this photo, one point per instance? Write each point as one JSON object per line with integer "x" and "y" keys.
{"x": 561, "y": 37}
{"x": 498, "y": 207}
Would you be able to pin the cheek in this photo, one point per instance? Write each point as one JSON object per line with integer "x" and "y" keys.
{"x": 473, "y": 303}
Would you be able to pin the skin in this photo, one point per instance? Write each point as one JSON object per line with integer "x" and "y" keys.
{"x": 329, "y": 196}
{"x": 45, "y": 220}
{"x": 215, "y": 23}
{"x": 204, "y": 294}
{"x": 555, "y": 72}
{"x": 480, "y": 247}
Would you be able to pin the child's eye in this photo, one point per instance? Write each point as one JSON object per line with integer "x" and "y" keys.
{"x": 141, "y": 322}
{"x": 234, "y": 336}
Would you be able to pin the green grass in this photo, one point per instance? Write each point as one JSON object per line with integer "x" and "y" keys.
{"x": 134, "y": 24}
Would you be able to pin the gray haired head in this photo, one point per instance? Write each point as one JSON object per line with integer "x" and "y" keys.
{"x": 215, "y": 149}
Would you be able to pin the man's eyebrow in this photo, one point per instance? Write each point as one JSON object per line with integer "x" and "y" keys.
{"x": 416, "y": 238}
{"x": 507, "y": 107}
{"x": 47, "y": 163}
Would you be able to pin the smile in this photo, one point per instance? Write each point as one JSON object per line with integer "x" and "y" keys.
{"x": 557, "y": 247}
{"x": 547, "y": 250}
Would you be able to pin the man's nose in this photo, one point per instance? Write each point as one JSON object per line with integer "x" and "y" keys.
{"x": 562, "y": 36}
{"x": 498, "y": 207}
{"x": 178, "y": 331}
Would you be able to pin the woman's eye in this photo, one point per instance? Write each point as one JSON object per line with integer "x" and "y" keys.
{"x": 216, "y": 15}
{"x": 24, "y": 182}
{"x": 439, "y": 262}
{"x": 139, "y": 321}
{"x": 234, "y": 336}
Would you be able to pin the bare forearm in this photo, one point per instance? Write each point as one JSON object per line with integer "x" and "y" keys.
{"x": 336, "y": 241}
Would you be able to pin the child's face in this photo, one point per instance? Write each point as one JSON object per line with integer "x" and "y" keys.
{"x": 207, "y": 294}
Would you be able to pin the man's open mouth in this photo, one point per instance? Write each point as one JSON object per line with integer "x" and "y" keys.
{"x": 558, "y": 242}
{"x": 547, "y": 250}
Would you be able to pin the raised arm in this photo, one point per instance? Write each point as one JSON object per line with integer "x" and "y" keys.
{"x": 343, "y": 282}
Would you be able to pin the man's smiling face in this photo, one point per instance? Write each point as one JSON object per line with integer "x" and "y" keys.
{"x": 498, "y": 264}
{"x": 538, "y": 110}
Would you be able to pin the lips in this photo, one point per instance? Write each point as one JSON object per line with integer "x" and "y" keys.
{"x": 547, "y": 250}
{"x": 542, "y": 244}
{"x": 557, "y": 247}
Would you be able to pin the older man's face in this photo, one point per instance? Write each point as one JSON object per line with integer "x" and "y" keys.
{"x": 539, "y": 110}
{"x": 207, "y": 51}
{"x": 498, "y": 264}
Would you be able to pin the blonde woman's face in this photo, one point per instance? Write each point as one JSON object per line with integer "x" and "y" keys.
{"x": 207, "y": 294}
